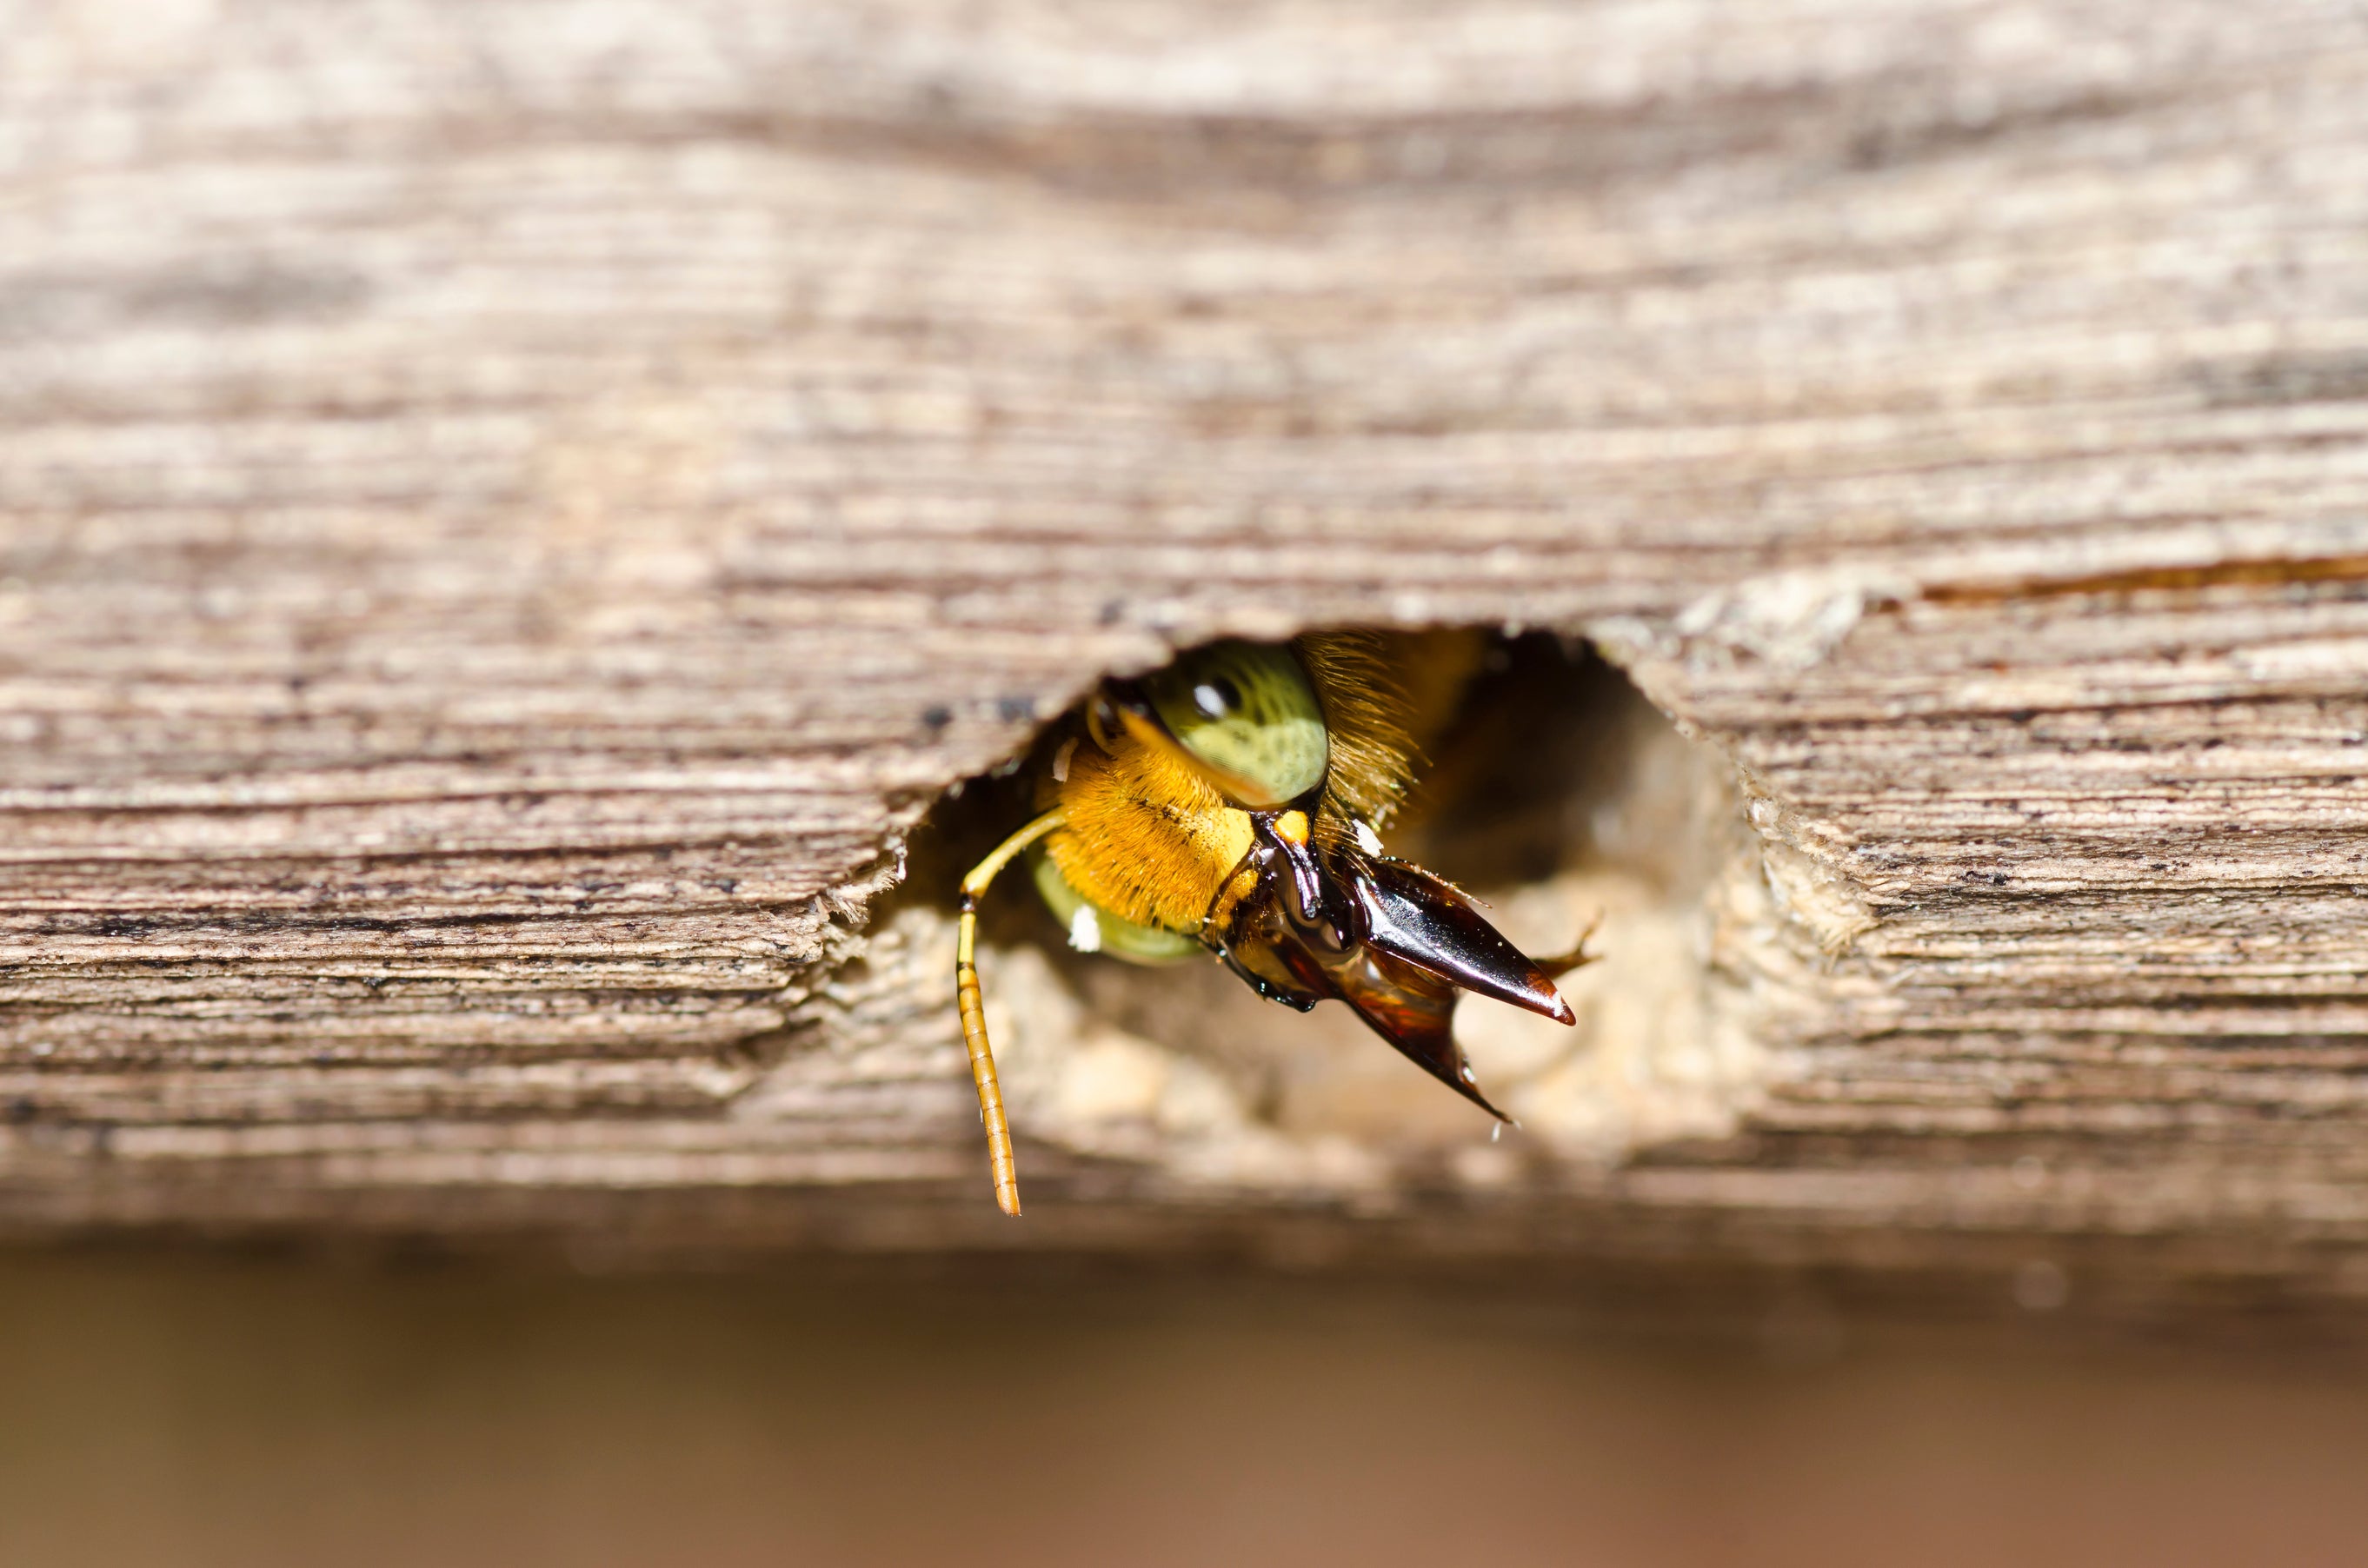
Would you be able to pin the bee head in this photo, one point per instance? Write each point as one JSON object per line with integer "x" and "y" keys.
{"x": 1244, "y": 712}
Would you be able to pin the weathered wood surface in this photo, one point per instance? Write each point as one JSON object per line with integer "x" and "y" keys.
{"x": 512, "y": 509}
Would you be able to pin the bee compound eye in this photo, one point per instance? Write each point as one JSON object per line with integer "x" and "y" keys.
{"x": 1216, "y": 697}
{"x": 1247, "y": 711}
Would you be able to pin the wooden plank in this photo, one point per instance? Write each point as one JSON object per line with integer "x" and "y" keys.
{"x": 509, "y": 513}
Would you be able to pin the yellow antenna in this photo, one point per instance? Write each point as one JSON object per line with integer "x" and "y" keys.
{"x": 973, "y": 1011}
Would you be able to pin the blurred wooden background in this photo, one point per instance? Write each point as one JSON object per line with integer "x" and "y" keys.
{"x": 509, "y": 512}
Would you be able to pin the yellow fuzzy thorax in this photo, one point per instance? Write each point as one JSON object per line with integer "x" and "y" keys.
{"x": 1147, "y": 838}
{"x": 1384, "y": 694}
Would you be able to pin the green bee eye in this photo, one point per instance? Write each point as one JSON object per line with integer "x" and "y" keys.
{"x": 1216, "y": 698}
{"x": 1247, "y": 709}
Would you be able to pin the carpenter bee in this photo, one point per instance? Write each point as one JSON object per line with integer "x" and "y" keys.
{"x": 1231, "y": 805}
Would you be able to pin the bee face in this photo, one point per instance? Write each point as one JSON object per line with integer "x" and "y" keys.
{"x": 1247, "y": 711}
{"x": 1210, "y": 808}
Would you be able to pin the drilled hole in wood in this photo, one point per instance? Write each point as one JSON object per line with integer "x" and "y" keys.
{"x": 1552, "y": 790}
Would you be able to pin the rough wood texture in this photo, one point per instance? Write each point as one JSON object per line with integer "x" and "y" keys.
{"x": 512, "y": 509}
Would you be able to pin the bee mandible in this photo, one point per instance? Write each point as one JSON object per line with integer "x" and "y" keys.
{"x": 1230, "y": 804}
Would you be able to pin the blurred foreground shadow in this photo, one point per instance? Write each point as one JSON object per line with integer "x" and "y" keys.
{"x": 183, "y": 1409}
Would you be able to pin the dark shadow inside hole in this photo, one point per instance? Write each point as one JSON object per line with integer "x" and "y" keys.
{"x": 1535, "y": 773}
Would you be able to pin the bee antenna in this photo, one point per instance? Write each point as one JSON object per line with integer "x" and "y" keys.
{"x": 982, "y": 876}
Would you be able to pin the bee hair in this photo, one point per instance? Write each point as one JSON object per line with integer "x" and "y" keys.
{"x": 1369, "y": 717}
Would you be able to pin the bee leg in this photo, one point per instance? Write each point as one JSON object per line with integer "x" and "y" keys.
{"x": 973, "y": 1011}
{"x": 1563, "y": 963}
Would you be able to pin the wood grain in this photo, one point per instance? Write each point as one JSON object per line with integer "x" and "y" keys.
{"x": 509, "y": 512}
